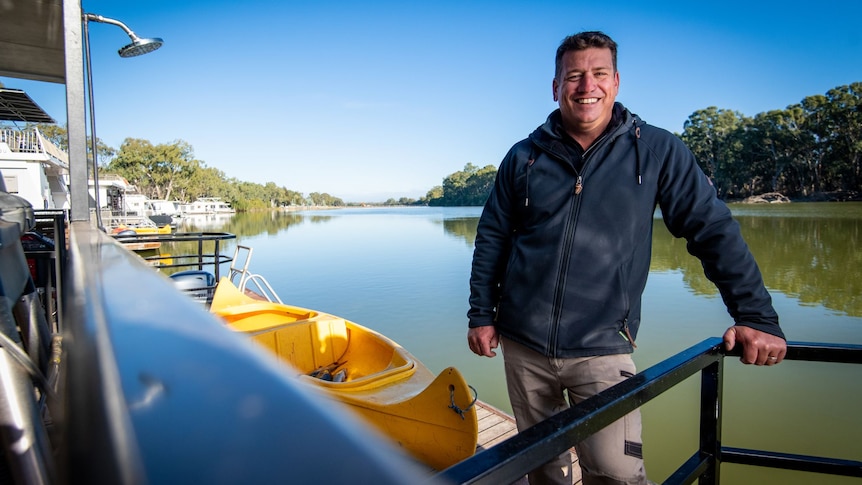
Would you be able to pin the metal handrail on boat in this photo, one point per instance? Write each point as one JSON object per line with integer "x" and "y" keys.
{"x": 201, "y": 264}
{"x": 50, "y": 223}
{"x": 198, "y": 259}
{"x": 240, "y": 276}
{"x": 510, "y": 460}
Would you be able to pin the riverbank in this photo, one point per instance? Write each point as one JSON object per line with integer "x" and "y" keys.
{"x": 779, "y": 198}
{"x": 297, "y": 208}
{"x": 767, "y": 198}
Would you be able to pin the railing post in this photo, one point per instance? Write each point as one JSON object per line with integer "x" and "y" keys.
{"x": 217, "y": 260}
{"x": 201, "y": 253}
{"x": 711, "y": 383}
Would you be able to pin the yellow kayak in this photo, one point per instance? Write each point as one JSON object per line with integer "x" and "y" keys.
{"x": 166, "y": 229}
{"x": 432, "y": 418}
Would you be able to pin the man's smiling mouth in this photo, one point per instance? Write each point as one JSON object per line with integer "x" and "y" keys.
{"x": 587, "y": 100}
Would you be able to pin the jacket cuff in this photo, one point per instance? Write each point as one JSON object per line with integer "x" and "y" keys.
{"x": 770, "y": 328}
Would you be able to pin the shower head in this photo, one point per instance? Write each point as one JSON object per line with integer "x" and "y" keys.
{"x": 137, "y": 47}
{"x": 140, "y": 46}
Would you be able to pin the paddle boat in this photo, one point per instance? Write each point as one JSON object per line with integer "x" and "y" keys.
{"x": 148, "y": 228}
{"x": 433, "y": 418}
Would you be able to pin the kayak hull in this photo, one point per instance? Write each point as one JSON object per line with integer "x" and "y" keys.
{"x": 430, "y": 417}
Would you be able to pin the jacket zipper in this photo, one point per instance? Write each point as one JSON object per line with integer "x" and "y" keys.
{"x": 579, "y": 182}
{"x": 627, "y": 335}
{"x": 564, "y": 270}
{"x": 570, "y": 239}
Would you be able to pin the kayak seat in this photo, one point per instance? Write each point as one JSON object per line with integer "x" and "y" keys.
{"x": 262, "y": 317}
{"x": 368, "y": 358}
{"x": 249, "y": 315}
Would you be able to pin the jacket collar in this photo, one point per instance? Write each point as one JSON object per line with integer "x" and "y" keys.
{"x": 552, "y": 138}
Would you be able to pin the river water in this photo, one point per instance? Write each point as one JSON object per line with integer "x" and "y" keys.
{"x": 404, "y": 272}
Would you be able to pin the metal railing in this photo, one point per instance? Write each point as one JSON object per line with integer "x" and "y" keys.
{"x": 50, "y": 262}
{"x": 32, "y": 141}
{"x": 510, "y": 460}
{"x": 202, "y": 256}
{"x": 198, "y": 269}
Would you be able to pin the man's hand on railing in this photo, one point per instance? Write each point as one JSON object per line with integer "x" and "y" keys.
{"x": 758, "y": 348}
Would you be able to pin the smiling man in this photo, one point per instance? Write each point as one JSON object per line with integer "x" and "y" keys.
{"x": 585, "y": 86}
{"x": 563, "y": 252}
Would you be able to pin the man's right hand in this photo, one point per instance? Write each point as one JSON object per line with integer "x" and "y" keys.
{"x": 482, "y": 340}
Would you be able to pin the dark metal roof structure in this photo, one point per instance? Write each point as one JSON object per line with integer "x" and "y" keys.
{"x": 16, "y": 105}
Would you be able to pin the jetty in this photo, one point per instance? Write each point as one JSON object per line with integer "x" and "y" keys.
{"x": 496, "y": 426}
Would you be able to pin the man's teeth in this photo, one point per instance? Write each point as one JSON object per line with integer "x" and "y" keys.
{"x": 587, "y": 100}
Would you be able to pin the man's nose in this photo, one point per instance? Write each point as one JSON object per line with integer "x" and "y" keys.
{"x": 586, "y": 83}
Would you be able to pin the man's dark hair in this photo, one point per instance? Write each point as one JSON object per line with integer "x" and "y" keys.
{"x": 582, "y": 41}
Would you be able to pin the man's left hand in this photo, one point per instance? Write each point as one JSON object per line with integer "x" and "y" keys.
{"x": 758, "y": 348}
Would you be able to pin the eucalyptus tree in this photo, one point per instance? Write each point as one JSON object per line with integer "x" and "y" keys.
{"x": 817, "y": 124}
{"x": 155, "y": 169}
{"x": 204, "y": 182}
{"x": 324, "y": 200}
{"x": 844, "y": 115}
{"x": 479, "y": 185}
{"x": 468, "y": 187}
{"x": 774, "y": 144}
{"x": 433, "y": 197}
{"x": 58, "y": 135}
{"x": 714, "y": 136}
{"x": 455, "y": 191}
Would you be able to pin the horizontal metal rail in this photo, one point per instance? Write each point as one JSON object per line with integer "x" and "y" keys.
{"x": 510, "y": 460}
{"x": 197, "y": 259}
{"x": 788, "y": 461}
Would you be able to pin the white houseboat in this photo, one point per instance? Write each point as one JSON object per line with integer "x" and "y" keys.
{"x": 121, "y": 205}
{"x": 32, "y": 166}
{"x": 208, "y": 205}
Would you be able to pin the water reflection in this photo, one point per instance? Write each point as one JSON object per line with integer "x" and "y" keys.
{"x": 244, "y": 224}
{"x": 808, "y": 251}
{"x": 811, "y": 256}
{"x": 462, "y": 227}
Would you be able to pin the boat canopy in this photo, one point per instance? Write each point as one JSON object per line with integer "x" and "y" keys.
{"x": 16, "y": 105}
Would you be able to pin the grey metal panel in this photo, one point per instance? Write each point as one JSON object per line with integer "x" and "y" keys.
{"x": 75, "y": 112}
{"x": 31, "y": 40}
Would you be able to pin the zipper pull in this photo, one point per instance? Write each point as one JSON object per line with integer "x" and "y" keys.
{"x": 578, "y": 185}
{"x": 627, "y": 336}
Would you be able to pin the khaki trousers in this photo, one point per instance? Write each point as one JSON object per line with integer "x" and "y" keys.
{"x": 538, "y": 387}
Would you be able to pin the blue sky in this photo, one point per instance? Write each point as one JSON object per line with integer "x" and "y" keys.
{"x": 371, "y": 100}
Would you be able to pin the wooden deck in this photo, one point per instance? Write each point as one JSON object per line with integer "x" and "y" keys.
{"x": 496, "y": 426}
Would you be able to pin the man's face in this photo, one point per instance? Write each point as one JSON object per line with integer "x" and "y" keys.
{"x": 585, "y": 90}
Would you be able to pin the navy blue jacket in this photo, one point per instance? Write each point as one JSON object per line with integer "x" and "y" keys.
{"x": 564, "y": 241}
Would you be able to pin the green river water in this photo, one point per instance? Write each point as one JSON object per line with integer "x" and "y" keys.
{"x": 404, "y": 272}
